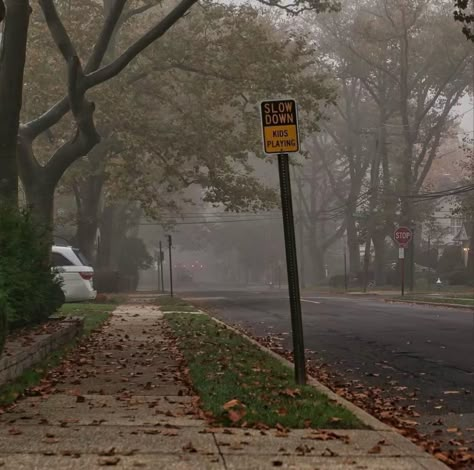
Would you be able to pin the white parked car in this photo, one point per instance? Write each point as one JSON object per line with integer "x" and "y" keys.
{"x": 75, "y": 273}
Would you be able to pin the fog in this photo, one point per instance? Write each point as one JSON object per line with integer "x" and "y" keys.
{"x": 386, "y": 131}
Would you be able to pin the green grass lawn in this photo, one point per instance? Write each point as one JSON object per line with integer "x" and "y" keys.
{"x": 94, "y": 316}
{"x": 225, "y": 366}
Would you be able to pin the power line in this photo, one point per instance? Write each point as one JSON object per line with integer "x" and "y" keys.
{"x": 207, "y": 222}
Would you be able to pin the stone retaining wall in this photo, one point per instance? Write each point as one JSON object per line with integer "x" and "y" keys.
{"x": 18, "y": 357}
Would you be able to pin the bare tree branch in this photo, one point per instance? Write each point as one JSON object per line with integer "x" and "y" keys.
{"x": 105, "y": 36}
{"x": 51, "y": 117}
{"x": 57, "y": 30}
{"x": 136, "y": 11}
{"x": 2, "y": 11}
{"x": 114, "y": 68}
{"x": 95, "y": 77}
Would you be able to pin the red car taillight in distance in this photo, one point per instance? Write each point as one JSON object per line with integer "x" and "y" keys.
{"x": 87, "y": 276}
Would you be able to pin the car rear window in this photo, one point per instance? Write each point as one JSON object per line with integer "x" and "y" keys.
{"x": 81, "y": 257}
{"x": 59, "y": 260}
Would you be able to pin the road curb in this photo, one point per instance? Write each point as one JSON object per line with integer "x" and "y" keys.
{"x": 366, "y": 418}
{"x": 431, "y": 304}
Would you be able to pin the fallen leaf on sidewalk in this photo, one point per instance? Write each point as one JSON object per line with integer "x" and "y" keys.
{"x": 328, "y": 453}
{"x": 108, "y": 461}
{"x": 189, "y": 448}
{"x": 14, "y": 432}
{"x": 375, "y": 450}
{"x": 108, "y": 452}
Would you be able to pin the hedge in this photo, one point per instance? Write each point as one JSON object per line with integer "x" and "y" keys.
{"x": 29, "y": 289}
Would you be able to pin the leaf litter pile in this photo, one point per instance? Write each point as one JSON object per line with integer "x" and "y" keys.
{"x": 240, "y": 385}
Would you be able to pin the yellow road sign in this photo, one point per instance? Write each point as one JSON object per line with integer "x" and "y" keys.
{"x": 280, "y": 126}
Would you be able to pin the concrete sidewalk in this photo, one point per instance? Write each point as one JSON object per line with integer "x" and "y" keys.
{"x": 122, "y": 402}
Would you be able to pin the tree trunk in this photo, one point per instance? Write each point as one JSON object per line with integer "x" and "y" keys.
{"x": 352, "y": 244}
{"x": 379, "y": 263}
{"x": 317, "y": 255}
{"x": 88, "y": 198}
{"x": 470, "y": 260}
{"x": 40, "y": 200}
{"x": 12, "y": 65}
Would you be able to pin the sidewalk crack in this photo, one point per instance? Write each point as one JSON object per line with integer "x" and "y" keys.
{"x": 220, "y": 452}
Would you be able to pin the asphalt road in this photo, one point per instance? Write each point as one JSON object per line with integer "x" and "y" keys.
{"x": 429, "y": 350}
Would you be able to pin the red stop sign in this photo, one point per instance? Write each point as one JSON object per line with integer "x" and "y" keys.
{"x": 403, "y": 236}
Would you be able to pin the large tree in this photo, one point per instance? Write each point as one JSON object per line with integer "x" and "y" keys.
{"x": 391, "y": 48}
{"x": 14, "y": 23}
{"x": 85, "y": 72}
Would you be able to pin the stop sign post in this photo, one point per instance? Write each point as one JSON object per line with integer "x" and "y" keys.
{"x": 403, "y": 236}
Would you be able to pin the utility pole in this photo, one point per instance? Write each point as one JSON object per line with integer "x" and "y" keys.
{"x": 345, "y": 264}
{"x": 170, "y": 245}
{"x": 412, "y": 262}
{"x": 162, "y": 257}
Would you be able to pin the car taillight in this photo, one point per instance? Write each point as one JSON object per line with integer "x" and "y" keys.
{"x": 87, "y": 276}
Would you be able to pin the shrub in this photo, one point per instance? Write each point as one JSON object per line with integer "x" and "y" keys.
{"x": 451, "y": 260}
{"x": 3, "y": 321}
{"x": 458, "y": 278}
{"x": 30, "y": 289}
{"x": 338, "y": 280}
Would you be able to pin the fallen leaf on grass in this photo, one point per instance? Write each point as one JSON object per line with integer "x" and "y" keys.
{"x": 335, "y": 419}
{"x": 108, "y": 461}
{"x": 235, "y": 416}
{"x": 230, "y": 404}
{"x": 291, "y": 392}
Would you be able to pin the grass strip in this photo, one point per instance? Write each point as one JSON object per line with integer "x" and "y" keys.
{"x": 438, "y": 300}
{"x": 225, "y": 366}
{"x": 174, "y": 304}
{"x": 94, "y": 316}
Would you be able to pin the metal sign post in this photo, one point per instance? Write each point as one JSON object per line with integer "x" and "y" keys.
{"x": 401, "y": 257}
{"x": 403, "y": 236}
{"x": 162, "y": 258}
{"x": 280, "y": 136}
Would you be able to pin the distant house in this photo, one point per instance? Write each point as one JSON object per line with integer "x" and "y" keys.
{"x": 444, "y": 228}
